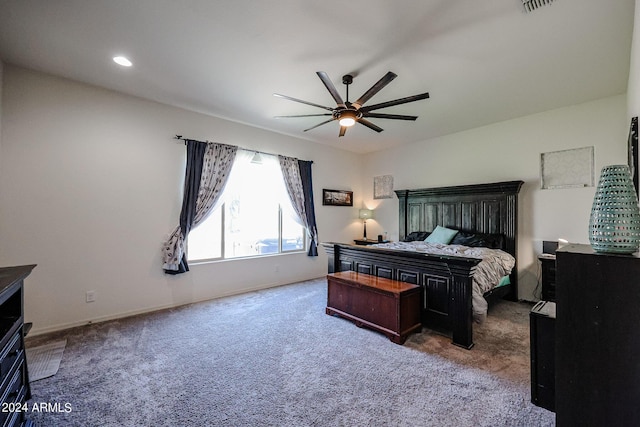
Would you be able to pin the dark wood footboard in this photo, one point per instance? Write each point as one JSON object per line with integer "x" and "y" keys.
{"x": 446, "y": 282}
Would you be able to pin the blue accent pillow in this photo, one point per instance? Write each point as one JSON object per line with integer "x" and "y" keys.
{"x": 441, "y": 235}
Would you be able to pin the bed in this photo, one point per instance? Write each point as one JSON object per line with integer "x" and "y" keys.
{"x": 486, "y": 211}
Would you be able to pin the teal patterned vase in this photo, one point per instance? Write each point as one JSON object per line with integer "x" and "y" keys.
{"x": 614, "y": 225}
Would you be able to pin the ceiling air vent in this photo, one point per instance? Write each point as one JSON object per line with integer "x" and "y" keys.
{"x": 531, "y": 5}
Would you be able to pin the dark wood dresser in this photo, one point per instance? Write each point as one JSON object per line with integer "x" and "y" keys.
{"x": 597, "y": 338}
{"x": 14, "y": 376}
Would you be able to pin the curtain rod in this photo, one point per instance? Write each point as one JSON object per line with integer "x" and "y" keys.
{"x": 180, "y": 138}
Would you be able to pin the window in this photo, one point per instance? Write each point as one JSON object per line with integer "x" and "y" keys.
{"x": 254, "y": 217}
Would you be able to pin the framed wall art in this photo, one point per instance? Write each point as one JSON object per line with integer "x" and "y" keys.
{"x": 567, "y": 168}
{"x": 383, "y": 187}
{"x": 337, "y": 197}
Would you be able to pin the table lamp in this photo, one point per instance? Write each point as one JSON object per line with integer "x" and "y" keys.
{"x": 365, "y": 214}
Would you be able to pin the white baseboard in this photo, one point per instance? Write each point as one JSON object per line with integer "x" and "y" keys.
{"x": 62, "y": 326}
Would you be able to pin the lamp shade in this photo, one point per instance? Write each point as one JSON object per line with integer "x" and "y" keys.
{"x": 366, "y": 214}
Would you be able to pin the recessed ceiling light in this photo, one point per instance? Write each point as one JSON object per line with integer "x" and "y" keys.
{"x": 121, "y": 60}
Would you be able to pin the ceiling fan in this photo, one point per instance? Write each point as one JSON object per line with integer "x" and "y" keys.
{"x": 349, "y": 113}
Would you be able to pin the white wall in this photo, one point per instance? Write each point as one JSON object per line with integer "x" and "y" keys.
{"x": 1, "y": 72}
{"x": 90, "y": 187}
{"x": 507, "y": 151}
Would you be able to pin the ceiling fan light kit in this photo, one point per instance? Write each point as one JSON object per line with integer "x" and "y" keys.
{"x": 348, "y": 113}
{"x": 347, "y": 118}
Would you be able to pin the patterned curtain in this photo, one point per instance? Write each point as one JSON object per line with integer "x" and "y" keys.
{"x": 206, "y": 174}
{"x": 300, "y": 197}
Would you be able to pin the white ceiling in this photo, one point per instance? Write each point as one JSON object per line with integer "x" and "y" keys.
{"x": 482, "y": 61}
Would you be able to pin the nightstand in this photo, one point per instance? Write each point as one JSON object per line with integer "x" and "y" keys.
{"x": 548, "y": 262}
{"x": 365, "y": 242}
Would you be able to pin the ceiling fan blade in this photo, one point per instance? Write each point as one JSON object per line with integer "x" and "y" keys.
{"x": 389, "y": 116}
{"x": 319, "y": 124}
{"x": 330, "y": 87}
{"x": 302, "y": 115}
{"x": 375, "y": 89}
{"x": 343, "y": 130}
{"x": 302, "y": 102}
{"x": 370, "y": 125}
{"x": 396, "y": 102}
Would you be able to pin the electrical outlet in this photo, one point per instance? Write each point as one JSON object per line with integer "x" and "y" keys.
{"x": 91, "y": 296}
{"x": 277, "y": 268}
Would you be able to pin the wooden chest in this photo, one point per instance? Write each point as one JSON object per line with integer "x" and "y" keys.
{"x": 385, "y": 305}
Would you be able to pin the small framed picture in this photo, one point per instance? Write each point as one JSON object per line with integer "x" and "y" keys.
{"x": 337, "y": 197}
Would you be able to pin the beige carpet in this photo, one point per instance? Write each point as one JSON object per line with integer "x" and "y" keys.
{"x": 501, "y": 343}
{"x": 44, "y": 361}
{"x": 274, "y": 358}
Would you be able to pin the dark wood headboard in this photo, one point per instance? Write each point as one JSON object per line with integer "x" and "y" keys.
{"x": 479, "y": 208}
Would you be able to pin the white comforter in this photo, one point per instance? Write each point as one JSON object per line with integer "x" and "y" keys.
{"x": 494, "y": 265}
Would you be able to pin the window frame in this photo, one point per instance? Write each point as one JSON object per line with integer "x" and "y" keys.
{"x": 222, "y": 257}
